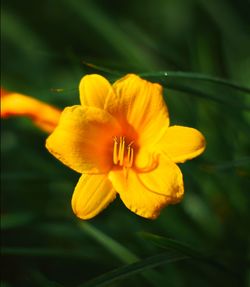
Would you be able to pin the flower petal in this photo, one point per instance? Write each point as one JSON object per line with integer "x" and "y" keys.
{"x": 166, "y": 179}
{"x": 96, "y": 91}
{"x": 92, "y": 194}
{"x": 182, "y": 143}
{"x": 43, "y": 115}
{"x": 141, "y": 104}
{"x": 136, "y": 196}
{"x": 83, "y": 140}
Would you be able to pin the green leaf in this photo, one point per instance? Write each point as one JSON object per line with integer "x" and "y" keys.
{"x": 39, "y": 279}
{"x": 181, "y": 81}
{"x": 171, "y": 244}
{"x": 15, "y": 220}
{"x": 226, "y": 165}
{"x": 119, "y": 251}
{"x": 102, "y": 69}
{"x": 205, "y": 95}
{"x": 164, "y": 76}
{"x": 100, "y": 22}
{"x": 110, "y": 244}
{"x": 22, "y": 35}
{"x": 134, "y": 268}
{"x": 185, "y": 250}
{"x": 44, "y": 252}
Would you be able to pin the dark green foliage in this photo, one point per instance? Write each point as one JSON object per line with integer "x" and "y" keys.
{"x": 204, "y": 48}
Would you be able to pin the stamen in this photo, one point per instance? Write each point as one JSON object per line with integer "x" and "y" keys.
{"x": 115, "y": 152}
{"x": 129, "y": 152}
{"x": 121, "y": 157}
{"x": 121, "y": 150}
{"x": 130, "y": 163}
{"x": 130, "y": 144}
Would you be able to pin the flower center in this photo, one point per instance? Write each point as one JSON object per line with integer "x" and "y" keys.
{"x": 123, "y": 154}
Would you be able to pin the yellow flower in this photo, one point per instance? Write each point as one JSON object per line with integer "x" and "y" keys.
{"x": 119, "y": 139}
{"x": 43, "y": 115}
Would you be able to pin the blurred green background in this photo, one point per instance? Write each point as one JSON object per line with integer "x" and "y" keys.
{"x": 45, "y": 48}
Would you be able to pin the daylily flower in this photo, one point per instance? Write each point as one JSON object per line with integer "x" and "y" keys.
{"x": 120, "y": 140}
{"x": 45, "y": 116}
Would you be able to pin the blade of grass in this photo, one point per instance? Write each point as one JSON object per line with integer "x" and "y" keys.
{"x": 229, "y": 22}
{"x": 134, "y": 268}
{"x": 226, "y": 165}
{"x": 204, "y": 95}
{"x": 121, "y": 252}
{"x": 89, "y": 12}
{"x": 15, "y": 220}
{"x": 19, "y": 33}
{"x": 44, "y": 252}
{"x": 184, "y": 249}
{"x": 102, "y": 69}
{"x": 163, "y": 76}
{"x": 171, "y": 244}
{"x": 40, "y": 280}
{"x": 110, "y": 244}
